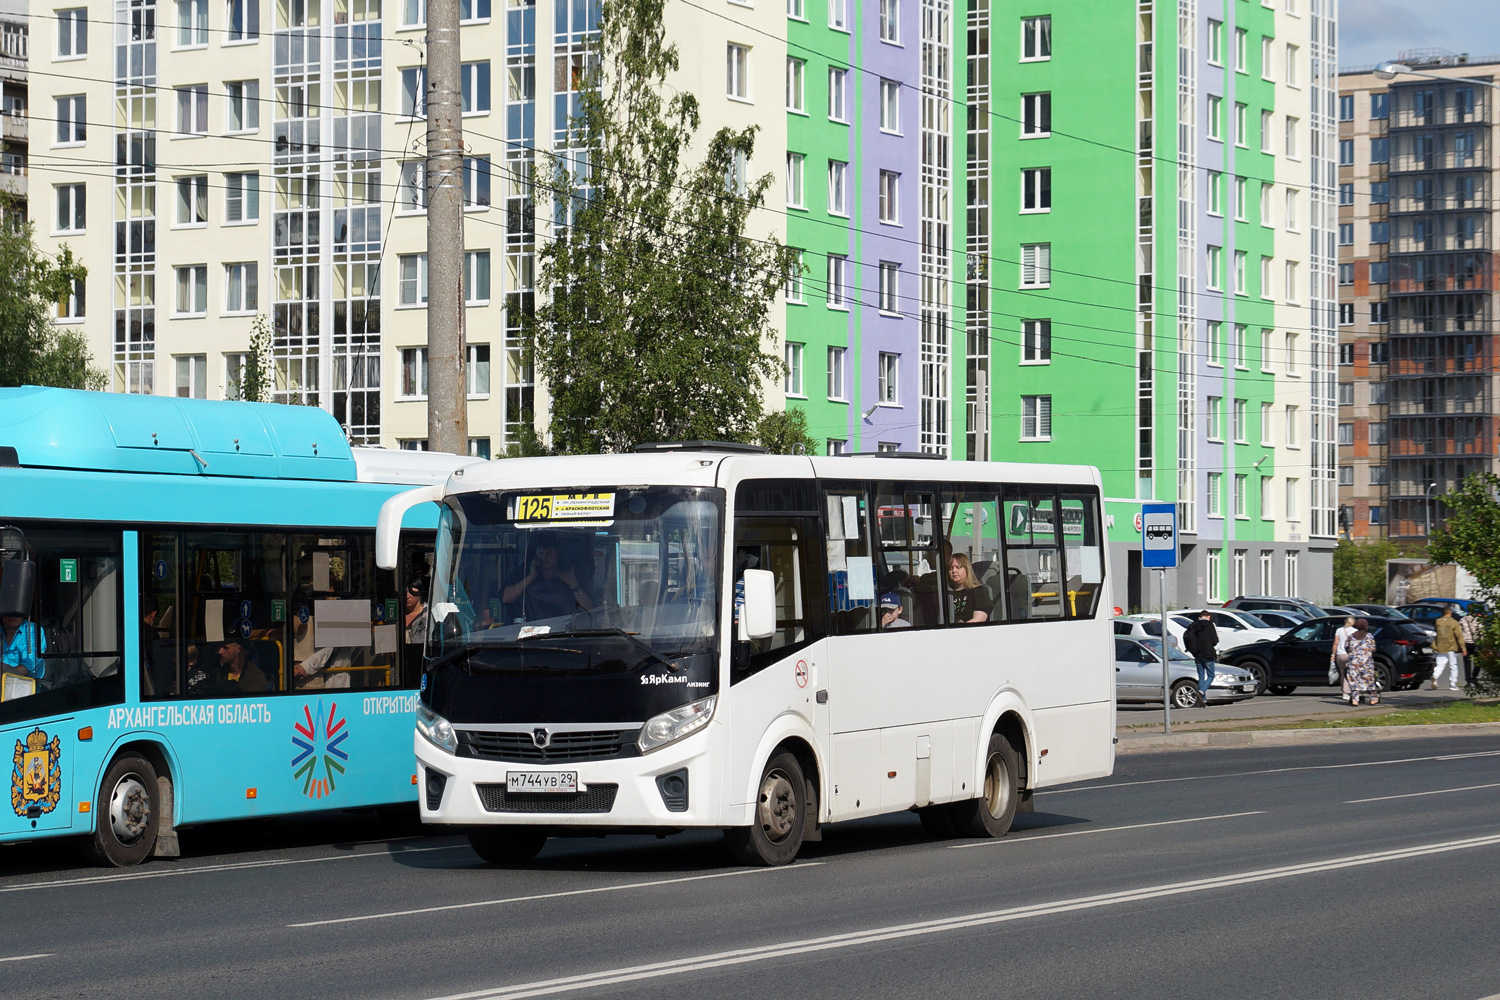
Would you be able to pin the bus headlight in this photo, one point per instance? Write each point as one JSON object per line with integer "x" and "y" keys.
{"x": 438, "y": 731}
{"x": 669, "y": 727}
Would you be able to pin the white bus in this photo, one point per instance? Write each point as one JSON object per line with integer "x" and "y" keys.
{"x": 703, "y": 636}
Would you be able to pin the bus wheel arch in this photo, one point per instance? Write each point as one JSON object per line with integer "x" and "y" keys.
{"x": 127, "y": 812}
{"x": 779, "y": 814}
{"x": 163, "y": 802}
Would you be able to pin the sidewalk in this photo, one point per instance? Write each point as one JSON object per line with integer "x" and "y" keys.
{"x": 1190, "y": 739}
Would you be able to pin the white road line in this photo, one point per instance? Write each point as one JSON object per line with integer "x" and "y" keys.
{"x": 1103, "y": 829}
{"x": 25, "y": 958}
{"x": 743, "y": 956}
{"x": 1413, "y": 795}
{"x": 1273, "y": 770}
{"x": 554, "y": 895}
{"x": 136, "y": 876}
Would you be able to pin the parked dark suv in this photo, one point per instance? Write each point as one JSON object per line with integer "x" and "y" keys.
{"x": 1403, "y": 655}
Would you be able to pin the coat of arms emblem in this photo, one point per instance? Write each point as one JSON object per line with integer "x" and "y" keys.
{"x": 36, "y": 781}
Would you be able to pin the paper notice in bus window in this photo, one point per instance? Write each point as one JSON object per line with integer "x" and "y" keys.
{"x": 321, "y": 572}
{"x": 835, "y": 517}
{"x": 385, "y": 639}
{"x": 15, "y": 686}
{"x": 1085, "y": 560}
{"x": 861, "y": 578}
{"x": 836, "y": 561}
{"x": 851, "y": 517}
{"x": 341, "y": 623}
{"x": 213, "y": 620}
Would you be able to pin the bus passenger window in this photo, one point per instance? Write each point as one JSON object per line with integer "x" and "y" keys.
{"x": 1083, "y": 550}
{"x": 1033, "y": 566}
{"x": 236, "y": 629}
{"x": 770, "y": 544}
{"x": 911, "y": 564}
{"x": 973, "y": 531}
{"x": 350, "y": 636}
{"x": 851, "y": 567}
{"x": 160, "y": 600}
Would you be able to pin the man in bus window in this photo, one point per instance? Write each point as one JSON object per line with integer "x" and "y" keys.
{"x": 241, "y": 673}
{"x": 21, "y": 647}
{"x": 890, "y": 612}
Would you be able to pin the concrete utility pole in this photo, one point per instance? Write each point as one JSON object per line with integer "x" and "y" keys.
{"x": 447, "y": 417}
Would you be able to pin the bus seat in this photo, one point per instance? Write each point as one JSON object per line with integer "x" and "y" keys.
{"x": 1017, "y": 593}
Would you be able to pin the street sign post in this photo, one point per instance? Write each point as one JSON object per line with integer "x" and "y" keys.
{"x": 1159, "y": 552}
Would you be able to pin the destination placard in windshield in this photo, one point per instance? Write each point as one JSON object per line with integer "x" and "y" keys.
{"x": 547, "y": 508}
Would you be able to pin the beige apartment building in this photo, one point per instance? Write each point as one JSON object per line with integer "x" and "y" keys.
{"x": 217, "y": 161}
{"x": 1416, "y": 276}
{"x": 14, "y": 128}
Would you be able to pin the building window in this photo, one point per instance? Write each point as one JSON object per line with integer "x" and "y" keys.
{"x": 837, "y": 446}
{"x": 1346, "y": 234}
{"x": 1239, "y": 420}
{"x": 890, "y": 106}
{"x": 413, "y": 92}
{"x": 890, "y": 274}
{"x": 411, "y": 187}
{"x": 1237, "y": 572}
{"x": 241, "y": 197}
{"x": 1215, "y": 274}
{"x": 71, "y": 208}
{"x": 1346, "y": 393}
{"x": 1346, "y": 434}
{"x": 793, "y": 289}
{"x": 1265, "y": 58}
{"x": 1377, "y": 475}
{"x": 792, "y": 384}
{"x": 476, "y": 87}
{"x": 1380, "y": 272}
{"x": 1265, "y": 500}
{"x": 1265, "y": 349}
{"x": 243, "y": 18}
{"x": 192, "y": 200}
{"x": 1216, "y": 418}
{"x": 192, "y": 290}
{"x": 1346, "y": 153}
{"x": 1346, "y": 107}
{"x": 737, "y": 81}
{"x": 1292, "y": 225}
{"x": 1377, "y": 432}
{"x": 1265, "y": 568}
{"x": 192, "y": 110}
{"x": 476, "y": 277}
{"x": 838, "y": 95}
{"x": 838, "y": 281}
{"x": 1265, "y": 277}
{"x": 890, "y": 21}
{"x": 1036, "y": 189}
{"x": 73, "y": 33}
{"x": 1346, "y": 354}
{"x": 192, "y": 23}
{"x": 1380, "y": 104}
{"x": 1238, "y": 348}
{"x": 1346, "y": 314}
{"x": 1265, "y": 131}
{"x": 1036, "y": 39}
{"x": 794, "y": 164}
{"x": 1293, "y": 587}
{"x": 794, "y": 9}
{"x": 1215, "y": 193}
{"x": 1241, "y": 273}
{"x": 1380, "y": 192}
{"x": 1241, "y": 50}
{"x": 1293, "y": 78}
{"x": 1291, "y": 354}
{"x": 1036, "y": 265}
{"x": 838, "y": 15}
{"x": 1215, "y": 494}
{"x": 1380, "y": 232}
{"x": 1036, "y": 115}
{"x": 1240, "y": 489}
{"x": 890, "y": 184}
{"x": 1292, "y": 508}
{"x": 1213, "y": 335}
{"x": 1346, "y": 274}
{"x": 838, "y": 187}
{"x": 71, "y": 306}
{"x": 796, "y": 72}
{"x": 1291, "y": 281}
{"x": 1293, "y": 437}
{"x": 1346, "y": 475}
{"x": 477, "y": 371}
{"x": 414, "y": 373}
{"x": 836, "y": 374}
{"x": 887, "y": 387}
{"x": 412, "y": 281}
{"x": 414, "y": 13}
{"x": 1213, "y": 572}
{"x": 1036, "y": 418}
{"x": 1380, "y": 312}
{"x": 1380, "y": 150}
{"x": 241, "y": 287}
{"x": 72, "y": 120}
{"x": 479, "y": 448}
{"x": 1346, "y": 194}
{"x": 1215, "y": 42}
{"x": 1214, "y": 120}
{"x": 476, "y": 182}
{"x": 1378, "y": 393}
{"x": 1376, "y": 515}
{"x": 1036, "y": 341}
{"x": 192, "y": 376}
{"x": 1241, "y": 200}
{"x": 243, "y": 98}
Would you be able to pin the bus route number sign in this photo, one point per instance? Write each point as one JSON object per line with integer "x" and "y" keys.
{"x": 565, "y": 507}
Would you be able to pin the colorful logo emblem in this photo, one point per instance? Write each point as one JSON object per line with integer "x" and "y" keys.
{"x": 36, "y": 781}
{"x": 317, "y": 749}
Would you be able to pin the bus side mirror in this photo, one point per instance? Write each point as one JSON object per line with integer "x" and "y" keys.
{"x": 18, "y": 587}
{"x": 758, "y": 616}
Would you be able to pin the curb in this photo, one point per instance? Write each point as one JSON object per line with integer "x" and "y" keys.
{"x": 1297, "y": 737}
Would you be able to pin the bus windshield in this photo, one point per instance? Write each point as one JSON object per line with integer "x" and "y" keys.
{"x": 617, "y": 583}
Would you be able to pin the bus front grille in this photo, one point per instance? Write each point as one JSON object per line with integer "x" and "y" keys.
{"x": 598, "y": 799}
{"x": 594, "y": 744}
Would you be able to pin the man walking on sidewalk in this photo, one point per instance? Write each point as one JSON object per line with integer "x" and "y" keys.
{"x": 1202, "y": 642}
{"x": 1449, "y": 647}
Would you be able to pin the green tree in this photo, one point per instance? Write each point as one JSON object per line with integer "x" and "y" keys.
{"x": 34, "y": 350}
{"x": 1469, "y": 539}
{"x": 784, "y": 432}
{"x": 257, "y": 375}
{"x": 658, "y": 321}
{"x": 1359, "y": 570}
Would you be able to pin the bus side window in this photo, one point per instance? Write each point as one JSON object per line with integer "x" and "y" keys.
{"x": 851, "y": 566}
{"x": 160, "y": 619}
{"x": 1033, "y": 565}
{"x": 781, "y": 547}
{"x": 1083, "y": 544}
{"x": 347, "y": 641}
{"x": 911, "y": 563}
{"x": 971, "y": 518}
{"x": 236, "y": 635}
{"x": 414, "y": 593}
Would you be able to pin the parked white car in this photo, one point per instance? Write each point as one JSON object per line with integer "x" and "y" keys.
{"x": 1235, "y": 628}
{"x": 1149, "y": 627}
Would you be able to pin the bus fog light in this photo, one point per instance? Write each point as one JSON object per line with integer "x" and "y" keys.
{"x": 674, "y": 725}
{"x": 436, "y": 729}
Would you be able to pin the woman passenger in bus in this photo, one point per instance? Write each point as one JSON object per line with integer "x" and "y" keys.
{"x": 21, "y": 647}
{"x": 971, "y": 602}
{"x": 550, "y": 589}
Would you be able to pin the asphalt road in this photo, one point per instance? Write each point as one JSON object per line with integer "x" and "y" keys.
{"x": 1355, "y": 870}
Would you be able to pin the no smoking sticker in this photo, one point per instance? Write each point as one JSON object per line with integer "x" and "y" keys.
{"x": 802, "y": 673}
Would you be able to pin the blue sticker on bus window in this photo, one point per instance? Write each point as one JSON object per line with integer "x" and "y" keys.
{"x": 244, "y": 609}
{"x": 424, "y": 682}
{"x": 245, "y": 628}
{"x": 160, "y": 569}
{"x": 303, "y": 614}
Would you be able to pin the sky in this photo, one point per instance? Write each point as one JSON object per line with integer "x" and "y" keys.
{"x": 1372, "y": 31}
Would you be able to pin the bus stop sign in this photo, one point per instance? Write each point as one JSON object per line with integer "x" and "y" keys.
{"x": 1159, "y": 535}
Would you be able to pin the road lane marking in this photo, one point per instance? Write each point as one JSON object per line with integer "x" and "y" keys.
{"x": 1413, "y": 795}
{"x": 1273, "y": 770}
{"x": 1104, "y": 829}
{"x": 228, "y": 867}
{"x": 744, "y": 956}
{"x": 25, "y": 958}
{"x": 552, "y": 895}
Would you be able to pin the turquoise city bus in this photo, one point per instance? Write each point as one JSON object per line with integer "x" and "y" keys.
{"x": 192, "y": 624}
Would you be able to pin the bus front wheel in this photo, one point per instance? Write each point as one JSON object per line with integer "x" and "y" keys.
{"x": 507, "y": 845}
{"x": 127, "y": 813}
{"x": 775, "y": 835}
{"x": 991, "y": 814}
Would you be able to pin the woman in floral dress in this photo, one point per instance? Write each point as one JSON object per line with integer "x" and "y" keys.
{"x": 1364, "y": 682}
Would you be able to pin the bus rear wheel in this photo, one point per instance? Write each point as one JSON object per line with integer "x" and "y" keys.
{"x": 507, "y": 845}
{"x": 775, "y": 835}
{"x": 991, "y": 814}
{"x": 127, "y": 813}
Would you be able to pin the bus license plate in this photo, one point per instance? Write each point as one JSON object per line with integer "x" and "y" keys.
{"x": 541, "y": 781}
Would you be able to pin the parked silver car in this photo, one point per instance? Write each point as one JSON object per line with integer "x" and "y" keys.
{"x": 1138, "y": 676}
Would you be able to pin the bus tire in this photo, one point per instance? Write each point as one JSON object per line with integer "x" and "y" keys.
{"x": 507, "y": 845}
{"x": 991, "y": 814}
{"x": 775, "y": 836}
{"x": 127, "y": 813}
